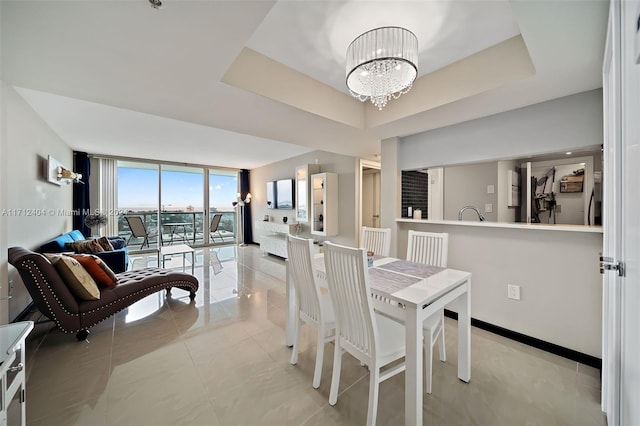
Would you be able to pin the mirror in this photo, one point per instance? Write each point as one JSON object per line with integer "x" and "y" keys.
{"x": 271, "y": 195}
{"x": 560, "y": 188}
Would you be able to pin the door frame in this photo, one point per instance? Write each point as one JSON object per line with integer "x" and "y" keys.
{"x": 612, "y": 217}
{"x": 361, "y": 164}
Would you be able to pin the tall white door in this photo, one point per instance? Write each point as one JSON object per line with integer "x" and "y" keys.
{"x": 611, "y": 219}
{"x": 371, "y": 198}
{"x": 621, "y": 292}
{"x": 630, "y": 229}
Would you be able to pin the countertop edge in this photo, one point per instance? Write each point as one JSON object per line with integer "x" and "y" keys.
{"x": 528, "y": 226}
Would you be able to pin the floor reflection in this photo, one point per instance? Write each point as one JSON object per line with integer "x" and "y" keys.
{"x": 221, "y": 360}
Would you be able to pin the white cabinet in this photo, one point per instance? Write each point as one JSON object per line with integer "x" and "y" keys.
{"x": 275, "y": 239}
{"x": 302, "y": 190}
{"x": 13, "y": 379}
{"x": 324, "y": 206}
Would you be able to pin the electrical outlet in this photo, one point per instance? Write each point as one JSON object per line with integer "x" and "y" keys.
{"x": 558, "y": 208}
{"x": 513, "y": 292}
{"x": 488, "y": 208}
{"x": 491, "y": 189}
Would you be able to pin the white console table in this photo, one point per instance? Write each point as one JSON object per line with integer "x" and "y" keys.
{"x": 13, "y": 378}
{"x": 275, "y": 239}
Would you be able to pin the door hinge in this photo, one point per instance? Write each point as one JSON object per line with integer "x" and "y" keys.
{"x": 609, "y": 264}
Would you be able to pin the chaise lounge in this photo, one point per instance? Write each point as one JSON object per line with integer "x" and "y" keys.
{"x": 53, "y": 298}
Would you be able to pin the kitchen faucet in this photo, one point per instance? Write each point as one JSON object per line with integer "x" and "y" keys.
{"x": 470, "y": 208}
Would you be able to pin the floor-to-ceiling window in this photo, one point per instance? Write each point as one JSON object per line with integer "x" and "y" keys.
{"x": 223, "y": 190}
{"x": 170, "y": 200}
{"x": 138, "y": 196}
{"x": 182, "y": 204}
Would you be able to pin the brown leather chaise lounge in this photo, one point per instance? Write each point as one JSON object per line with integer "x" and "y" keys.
{"x": 53, "y": 298}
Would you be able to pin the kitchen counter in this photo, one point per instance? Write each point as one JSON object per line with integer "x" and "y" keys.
{"x": 511, "y": 225}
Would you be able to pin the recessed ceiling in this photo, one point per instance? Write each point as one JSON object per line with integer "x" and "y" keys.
{"x": 312, "y": 37}
{"x": 139, "y": 73}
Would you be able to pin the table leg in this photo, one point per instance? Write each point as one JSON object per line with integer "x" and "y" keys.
{"x": 193, "y": 263}
{"x": 464, "y": 334}
{"x": 413, "y": 374}
{"x": 290, "y": 306}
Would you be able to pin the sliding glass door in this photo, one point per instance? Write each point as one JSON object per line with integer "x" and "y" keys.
{"x": 223, "y": 190}
{"x": 169, "y": 201}
{"x": 138, "y": 196}
{"x": 182, "y": 206}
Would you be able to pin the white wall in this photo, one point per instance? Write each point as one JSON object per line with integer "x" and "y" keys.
{"x": 561, "y": 290}
{"x": 344, "y": 166}
{"x": 4, "y": 284}
{"x": 32, "y": 204}
{"x": 467, "y": 186}
{"x": 562, "y": 124}
{"x": 390, "y": 187}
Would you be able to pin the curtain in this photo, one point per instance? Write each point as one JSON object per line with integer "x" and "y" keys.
{"x": 81, "y": 192}
{"x": 244, "y": 190}
{"x": 108, "y": 175}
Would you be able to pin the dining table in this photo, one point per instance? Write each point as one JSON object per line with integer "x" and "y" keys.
{"x": 408, "y": 292}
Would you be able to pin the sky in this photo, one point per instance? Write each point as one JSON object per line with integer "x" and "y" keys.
{"x": 138, "y": 189}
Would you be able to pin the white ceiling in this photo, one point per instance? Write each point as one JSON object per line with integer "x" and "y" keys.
{"x": 120, "y": 78}
{"x": 312, "y": 37}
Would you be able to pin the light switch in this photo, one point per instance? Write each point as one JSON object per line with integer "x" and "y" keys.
{"x": 491, "y": 189}
{"x": 488, "y": 208}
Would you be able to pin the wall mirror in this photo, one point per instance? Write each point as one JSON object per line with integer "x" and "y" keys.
{"x": 556, "y": 188}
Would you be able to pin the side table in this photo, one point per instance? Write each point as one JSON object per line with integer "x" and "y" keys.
{"x": 13, "y": 409}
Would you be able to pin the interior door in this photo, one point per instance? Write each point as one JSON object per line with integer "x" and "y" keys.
{"x": 371, "y": 198}
{"x": 621, "y": 291}
{"x": 611, "y": 220}
{"x": 630, "y": 203}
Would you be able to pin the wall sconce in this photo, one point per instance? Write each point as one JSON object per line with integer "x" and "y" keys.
{"x": 68, "y": 175}
{"x": 57, "y": 173}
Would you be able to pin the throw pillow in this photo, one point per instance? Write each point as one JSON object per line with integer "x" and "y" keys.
{"x": 105, "y": 244}
{"x": 77, "y": 279}
{"x": 85, "y": 246}
{"x": 117, "y": 242}
{"x": 99, "y": 271}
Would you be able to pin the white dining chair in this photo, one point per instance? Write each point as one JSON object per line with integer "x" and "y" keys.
{"x": 373, "y": 339}
{"x": 377, "y": 240}
{"x": 313, "y": 306}
{"x": 430, "y": 248}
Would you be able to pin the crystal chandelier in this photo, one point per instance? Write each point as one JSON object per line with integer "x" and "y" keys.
{"x": 381, "y": 64}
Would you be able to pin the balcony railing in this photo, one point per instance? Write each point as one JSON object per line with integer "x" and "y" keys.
{"x": 179, "y": 228}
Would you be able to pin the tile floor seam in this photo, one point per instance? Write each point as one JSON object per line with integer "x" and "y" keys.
{"x": 113, "y": 336}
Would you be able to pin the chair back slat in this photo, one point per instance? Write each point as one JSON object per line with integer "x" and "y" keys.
{"x": 137, "y": 226}
{"x": 348, "y": 281}
{"x": 430, "y": 248}
{"x": 215, "y": 221}
{"x": 377, "y": 240}
{"x": 304, "y": 277}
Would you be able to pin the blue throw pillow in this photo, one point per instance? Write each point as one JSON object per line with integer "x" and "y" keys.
{"x": 117, "y": 242}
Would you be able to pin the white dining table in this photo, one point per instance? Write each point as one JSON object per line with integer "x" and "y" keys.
{"x": 413, "y": 292}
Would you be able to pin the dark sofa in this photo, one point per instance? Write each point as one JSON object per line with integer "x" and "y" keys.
{"x": 53, "y": 298}
{"x": 118, "y": 259}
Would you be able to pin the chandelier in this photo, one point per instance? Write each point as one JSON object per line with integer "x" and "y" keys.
{"x": 381, "y": 64}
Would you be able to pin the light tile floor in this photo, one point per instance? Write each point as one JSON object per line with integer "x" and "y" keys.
{"x": 221, "y": 360}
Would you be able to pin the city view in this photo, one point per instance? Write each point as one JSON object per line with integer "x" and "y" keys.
{"x": 180, "y": 200}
